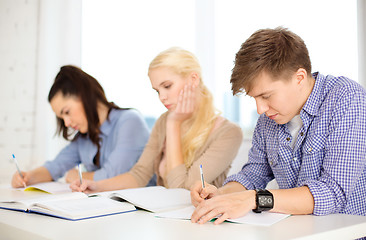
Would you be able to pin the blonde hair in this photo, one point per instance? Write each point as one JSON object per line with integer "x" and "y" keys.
{"x": 183, "y": 62}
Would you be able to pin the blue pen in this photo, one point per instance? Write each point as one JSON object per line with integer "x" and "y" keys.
{"x": 203, "y": 181}
{"x": 20, "y": 173}
{"x": 16, "y": 164}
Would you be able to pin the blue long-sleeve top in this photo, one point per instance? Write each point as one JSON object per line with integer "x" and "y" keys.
{"x": 123, "y": 138}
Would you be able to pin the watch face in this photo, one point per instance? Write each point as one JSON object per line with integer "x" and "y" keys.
{"x": 265, "y": 201}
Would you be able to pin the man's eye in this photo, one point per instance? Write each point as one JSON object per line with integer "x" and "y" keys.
{"x": 168, "y": 86}
{"x": 265, "y": 97}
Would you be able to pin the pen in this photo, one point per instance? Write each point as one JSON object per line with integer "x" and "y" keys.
{"x": 17, "y": 166}
{"x": 80, "y": 176}
{"x": 202, "y": 180}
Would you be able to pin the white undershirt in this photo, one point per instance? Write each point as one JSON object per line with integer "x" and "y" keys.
{"x": 294, "y": 126}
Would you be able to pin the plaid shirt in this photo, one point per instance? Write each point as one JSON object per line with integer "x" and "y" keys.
{"x": 330, "y": 152}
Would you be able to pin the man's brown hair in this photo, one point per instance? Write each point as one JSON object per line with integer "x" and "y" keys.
{"x": 277, "y": 52}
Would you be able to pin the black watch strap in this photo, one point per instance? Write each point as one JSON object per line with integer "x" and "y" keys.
{"x": 264, "y": 200}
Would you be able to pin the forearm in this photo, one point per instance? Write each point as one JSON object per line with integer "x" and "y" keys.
{"x": 293, "y": 201}
{"x": 88, "y": 175}
{"x": 173, "y": 146}
{"x": 231, "y": 187}
{"x": 40, "y": 174}
{"x": 121, "y": 181}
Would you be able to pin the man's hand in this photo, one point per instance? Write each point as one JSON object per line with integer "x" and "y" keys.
{"x": 232, "y": 205}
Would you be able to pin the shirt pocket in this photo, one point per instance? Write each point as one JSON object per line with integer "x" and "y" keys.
{"x": 314, "y": 148}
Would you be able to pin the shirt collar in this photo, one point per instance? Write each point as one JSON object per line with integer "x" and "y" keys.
{"x": 313, "y": 103}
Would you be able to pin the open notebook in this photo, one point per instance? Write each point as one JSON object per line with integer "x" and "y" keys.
{"x": 154, "y": 199}
{"x": 71, "y": 206}
{"x": 76, "y": 206}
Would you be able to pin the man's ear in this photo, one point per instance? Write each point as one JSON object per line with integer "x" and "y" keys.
{"x": 301, "y": 75}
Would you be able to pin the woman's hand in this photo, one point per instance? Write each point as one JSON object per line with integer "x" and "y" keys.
{"x": 185, "y": 105}
{"x": 232, "y": 205}
{"x": 40, "y": 174}
{"x": 17, "y": 181}
{"x": 87, "y": 186}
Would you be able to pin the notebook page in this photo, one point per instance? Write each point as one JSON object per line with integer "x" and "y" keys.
{"x": 82, "y": 208}
{"x": 49, "y": 187}
{"x": 156, "y": 199}
{"x": 263, "y": 219}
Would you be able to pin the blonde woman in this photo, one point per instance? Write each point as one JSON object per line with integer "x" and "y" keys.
{"x": 189, "y": 134}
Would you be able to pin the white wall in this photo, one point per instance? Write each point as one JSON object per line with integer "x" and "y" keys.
{"x": 37, "y": 37}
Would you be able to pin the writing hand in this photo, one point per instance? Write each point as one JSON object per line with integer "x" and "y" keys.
{"x": 88, "y": 186}
{"x": 232, "y": 205}
{"x": 17, "y": 181}
{"x": 199, "y": 194}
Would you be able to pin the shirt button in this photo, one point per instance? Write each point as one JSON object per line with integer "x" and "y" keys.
{"x": 302, "y": 134}
{"x": 288, "y": 139}
{"x": 310, "y": 149}
{"x": 271, "y": 163}
{"x": 295, "y": 158}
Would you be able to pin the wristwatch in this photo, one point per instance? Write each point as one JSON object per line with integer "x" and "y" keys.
{"x": 264, "y": 200}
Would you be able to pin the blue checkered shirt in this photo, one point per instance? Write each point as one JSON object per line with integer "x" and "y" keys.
{"x": 330, "y": 152}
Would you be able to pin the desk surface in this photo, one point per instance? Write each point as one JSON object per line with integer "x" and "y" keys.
{"x": 143, "y": 225}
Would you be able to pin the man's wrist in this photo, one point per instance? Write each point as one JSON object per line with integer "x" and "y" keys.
{"x": 264, "y": 200}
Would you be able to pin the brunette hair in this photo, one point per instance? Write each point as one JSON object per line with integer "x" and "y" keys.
{"x": 277, "y": 52}
{"x": 183, "y": 63}
{"x": 72, "y": 81}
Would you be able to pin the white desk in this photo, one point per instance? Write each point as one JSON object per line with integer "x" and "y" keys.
{"x": 143, "y": 225}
